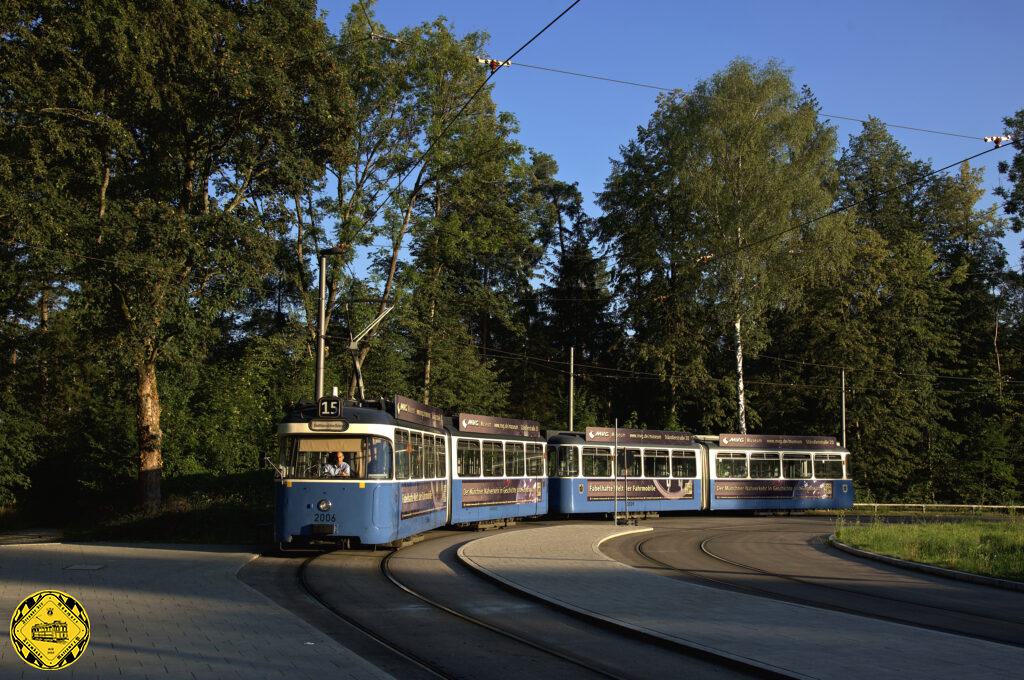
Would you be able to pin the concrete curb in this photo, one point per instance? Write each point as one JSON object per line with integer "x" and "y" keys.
{"x": 1003, "y": 583}
{"x": 743, "y": 663}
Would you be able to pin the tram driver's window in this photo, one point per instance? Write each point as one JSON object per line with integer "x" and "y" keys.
{"x": 377, "y": 458}
{"x": 494, "y": 460}
{"x": 730, "y": 465}
{"x": 796, "y": 465}
{"x": 597, "y": 462}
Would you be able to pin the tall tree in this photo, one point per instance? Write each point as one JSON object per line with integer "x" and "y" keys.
{"x": 178, "y": 114}
{"x": 708, "y": 209}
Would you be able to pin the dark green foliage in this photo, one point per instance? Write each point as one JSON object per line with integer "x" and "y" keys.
{"x": 168, "y": 172}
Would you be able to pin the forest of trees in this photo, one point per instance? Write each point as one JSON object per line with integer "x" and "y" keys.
{"x": 168, "y": 175}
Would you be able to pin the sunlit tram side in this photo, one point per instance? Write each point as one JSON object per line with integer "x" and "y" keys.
{"x": 777, "y": 472}
{"x": 376, "y": 473}
{"x": 396, "y": 484}
{"x": 499, "y": 471}
{"x": 642, "y": 470}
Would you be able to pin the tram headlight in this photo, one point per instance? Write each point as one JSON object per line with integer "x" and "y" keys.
{"x": 324, "y": 505}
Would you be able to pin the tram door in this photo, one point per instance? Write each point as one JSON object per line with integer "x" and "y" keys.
{"x": 705, "y": 477}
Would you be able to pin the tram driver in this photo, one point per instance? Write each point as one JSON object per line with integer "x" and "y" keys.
{"x": 336, "y": 466}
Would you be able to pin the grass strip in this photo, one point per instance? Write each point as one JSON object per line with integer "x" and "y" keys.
{"x": 989, "y": 548}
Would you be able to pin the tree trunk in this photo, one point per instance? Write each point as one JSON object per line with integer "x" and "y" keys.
{"x": 149, "y": 434}
{"x": 44, "y": 361}
{"x": 999, "y": 366}
{"x": 740, "y": 393}
{"x": 430, "y": 349}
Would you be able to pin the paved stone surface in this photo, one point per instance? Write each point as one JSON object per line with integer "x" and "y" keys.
{"x": 169, "y": 612}
{"x": 564, "y": 565}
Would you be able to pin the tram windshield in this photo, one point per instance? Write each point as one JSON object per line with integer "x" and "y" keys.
{"x": 366, "y": 457}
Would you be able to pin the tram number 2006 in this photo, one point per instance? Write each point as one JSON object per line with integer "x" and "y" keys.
{"x": 324, "y": 517}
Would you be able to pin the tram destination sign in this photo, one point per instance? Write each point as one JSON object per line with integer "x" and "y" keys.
{"x": 413, "y": 411}
{"x": 328, "y": 425}
{"x": 471, "y": 422}
{"x": 776, "y": 441}
{"x": 639, "y": 437}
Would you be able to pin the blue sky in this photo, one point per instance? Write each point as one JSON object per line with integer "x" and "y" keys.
{"x": 950, "y": 66}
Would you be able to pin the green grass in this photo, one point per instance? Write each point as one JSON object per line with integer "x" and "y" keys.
{"x": 990, "y": 548}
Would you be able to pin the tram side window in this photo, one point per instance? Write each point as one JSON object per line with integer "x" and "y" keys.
{"x": 656, "y": 463}
{"x": 629, "y": 463}
{"x": 534, "y": 460}
{"x": 439, "y": 457}
{"x": 730, "y": 465}
{"x": 515, "y": 459}
{"x": 597, "y": 462}
{"x": 494, "y": 465}
{"x": 468, "y": 458}
{"x": 401, "y": 454}
{"x": 764, "y": 466}
{"x": 568, "y": 462}
{"x": 684, "y": 464}
{"x": 429, "y": 459}
{"x": 828, "y": 466}
{"x": 796, "y": 465}
{"x": 416, "y": 456}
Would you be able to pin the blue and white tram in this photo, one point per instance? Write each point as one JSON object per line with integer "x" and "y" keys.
{"x": 499, "y": 469}
{"x": 397, "y": 481}
{"x": 642, "y": 470}
{"x": 378, "y": 473}
{"x": 777, "y": 472}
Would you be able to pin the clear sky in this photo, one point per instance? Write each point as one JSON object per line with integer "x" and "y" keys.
{"x": 945, "y": 65}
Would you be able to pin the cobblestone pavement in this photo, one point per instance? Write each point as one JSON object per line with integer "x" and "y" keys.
{"x": 169, "y": 612}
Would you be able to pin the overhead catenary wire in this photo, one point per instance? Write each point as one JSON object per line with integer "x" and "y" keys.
{"x": 391, "y": 197}
{"x": 641, "y": 375}
{"x": 849, "y": 206}
{"x": 662, "y": 88}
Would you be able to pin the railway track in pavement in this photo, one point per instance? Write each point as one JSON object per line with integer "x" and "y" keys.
{"x": 418, "y": 612}
{"x": 788, "y": 559}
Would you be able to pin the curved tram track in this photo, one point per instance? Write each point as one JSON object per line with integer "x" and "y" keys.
{"x": 788, "y": 559}
{"x": 419, "y": 612}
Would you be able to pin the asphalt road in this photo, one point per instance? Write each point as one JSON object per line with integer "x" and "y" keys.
{"x": 787, "y": 558}
{"x": 349, "y": 596}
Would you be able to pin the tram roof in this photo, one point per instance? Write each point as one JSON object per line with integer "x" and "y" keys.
{"x": 558, "y": 437}
{"x": 451, "y": 426}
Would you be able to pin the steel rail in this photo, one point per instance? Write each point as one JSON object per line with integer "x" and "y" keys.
{"x": 423, "y": 664}
{"x": 639, "y": 548}
{"x": 796, "y": 579}
{"x": 385, "y": 568}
